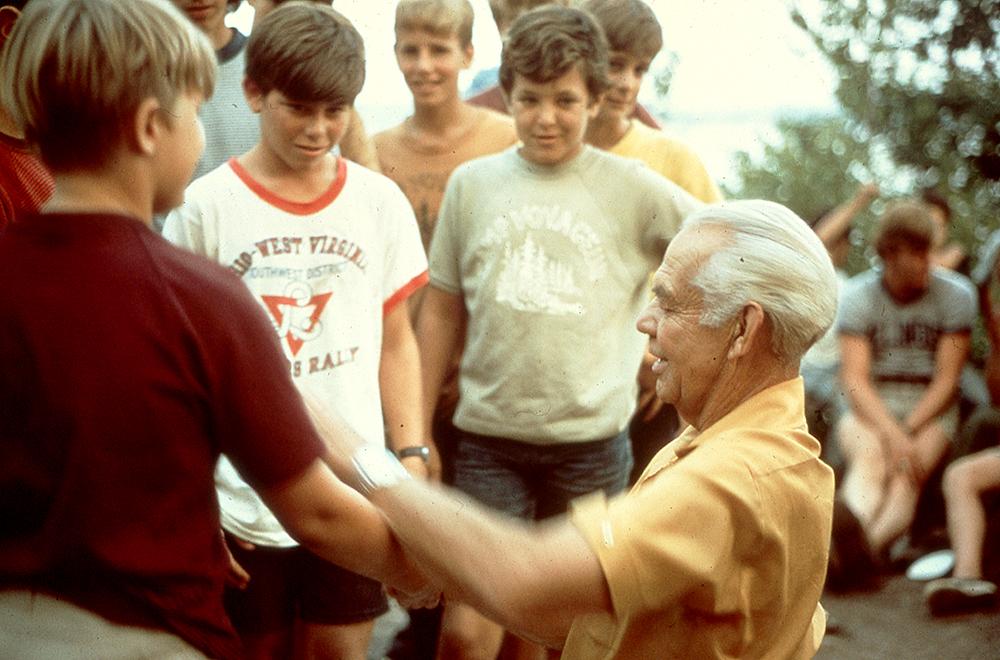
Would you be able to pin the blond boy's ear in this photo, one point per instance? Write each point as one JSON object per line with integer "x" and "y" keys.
{"x": 253, "y": 94}
{"x": 468, "y": 53}
{"x": 8, "y": 16}
{"x": 147, "y": 127}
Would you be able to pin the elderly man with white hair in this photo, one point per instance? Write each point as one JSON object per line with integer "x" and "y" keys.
{"x": 720, "y": 549}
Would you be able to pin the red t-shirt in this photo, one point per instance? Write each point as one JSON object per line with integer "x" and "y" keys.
{"x": 25, "y": 184}
{"x": 128, "y": 366}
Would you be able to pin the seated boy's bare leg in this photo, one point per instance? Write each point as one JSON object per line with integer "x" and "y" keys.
{"x": 905, "y": 487}
{"x": 468, "y": 635}
{"x": 964, "y": 483}
{"x": 335, "y": 642}
{"x": 895, "y": 517}
{"x": 863, "y": 488}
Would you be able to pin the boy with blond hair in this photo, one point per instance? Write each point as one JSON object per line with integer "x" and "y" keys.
{"x": 542, "y": 253}
{"x": 433, "y": 44}
{"x": 331, "y": 250}
{"x": 109, "y": 531}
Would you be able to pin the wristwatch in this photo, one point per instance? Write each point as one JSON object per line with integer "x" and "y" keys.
{"x": 377, "y": 467}
{"x": 422, "y": 451}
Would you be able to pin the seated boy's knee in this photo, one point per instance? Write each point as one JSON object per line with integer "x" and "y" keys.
{"x": 956, "y": 478}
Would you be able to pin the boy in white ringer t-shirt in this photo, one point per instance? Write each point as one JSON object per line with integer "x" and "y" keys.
{"x": 331, "y": 250}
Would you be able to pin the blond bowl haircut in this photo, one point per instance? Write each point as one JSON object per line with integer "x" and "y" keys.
{"x": 773, "y": 258}
{"x": 545, "y": 43}
{"x": 309, "y": 52}
{"x": 906, "y": 222}
{"x": 442, "y": 18}
{"x": 75, "y": 73}
{"x": 629, "y": 25}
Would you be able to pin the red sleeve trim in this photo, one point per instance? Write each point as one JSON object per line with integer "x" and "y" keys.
{"x": 295, "y": 208}
{"x": 404, "y": 292}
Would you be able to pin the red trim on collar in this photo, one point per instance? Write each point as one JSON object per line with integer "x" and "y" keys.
{"x": 296, "y": 208}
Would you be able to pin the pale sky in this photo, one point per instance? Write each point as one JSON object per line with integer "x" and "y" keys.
{"x": 735, "y": 58}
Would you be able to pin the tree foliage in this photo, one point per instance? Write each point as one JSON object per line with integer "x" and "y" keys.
{"x": 920, "y": 96}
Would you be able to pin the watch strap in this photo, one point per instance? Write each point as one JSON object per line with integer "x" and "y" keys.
{"x": 421, "y": 451}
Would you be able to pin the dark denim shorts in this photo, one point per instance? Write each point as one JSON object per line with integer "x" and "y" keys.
{"x": 292, "y": 583}
{"x": 537, "y": 481}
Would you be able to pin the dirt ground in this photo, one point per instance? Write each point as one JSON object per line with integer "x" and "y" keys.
{"x": 894, "y": 623}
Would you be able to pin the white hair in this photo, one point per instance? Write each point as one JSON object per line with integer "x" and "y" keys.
{"x": 773, "y": 258}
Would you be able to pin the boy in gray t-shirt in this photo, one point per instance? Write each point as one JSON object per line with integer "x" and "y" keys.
{"x": 542, "y": 255}
{"x": 904, "y": 334}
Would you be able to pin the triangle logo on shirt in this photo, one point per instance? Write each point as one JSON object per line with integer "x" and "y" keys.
{"x": 297, "y": 318}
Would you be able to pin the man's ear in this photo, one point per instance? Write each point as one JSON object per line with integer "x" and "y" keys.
{"x": 147, "y": 127}
{"x": 253, "y": 94}
{"x": 749, "y": 330}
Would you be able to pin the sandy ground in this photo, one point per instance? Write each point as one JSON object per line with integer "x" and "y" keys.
{"x": 894, "y": 623}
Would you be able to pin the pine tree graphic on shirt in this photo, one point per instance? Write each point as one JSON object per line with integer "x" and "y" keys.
{"x": 531, "y": 281}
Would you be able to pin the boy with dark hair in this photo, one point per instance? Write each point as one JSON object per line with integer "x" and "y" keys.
{"x": 24, "y": 182}
{"x": 230, "y": 126}
{"x": 331, "y": 250}
{"x": 485, "y": 92}
{"x": 109, "y": 531}
{"x": 634, "y": 39}
{"x": 549, "y": 264}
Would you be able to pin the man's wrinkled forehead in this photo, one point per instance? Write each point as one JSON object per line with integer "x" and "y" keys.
{"x": 687, "y": 255}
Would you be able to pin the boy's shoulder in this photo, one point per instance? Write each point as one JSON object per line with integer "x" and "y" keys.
{"x": 358, "y": 176}
{"x": 948, "y": 283}
{"x": 489, "y": 120}
{"x": 641, "y": 137}
{"x": 492, "y": 165}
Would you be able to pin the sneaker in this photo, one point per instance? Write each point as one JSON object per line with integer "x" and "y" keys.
{"x": 952, "y": 595}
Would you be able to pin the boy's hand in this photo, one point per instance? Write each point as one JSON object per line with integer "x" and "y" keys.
{"x": 237, "y": 576}
{"x": 416, "y": 466}
{"x": 649, "y": 405}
